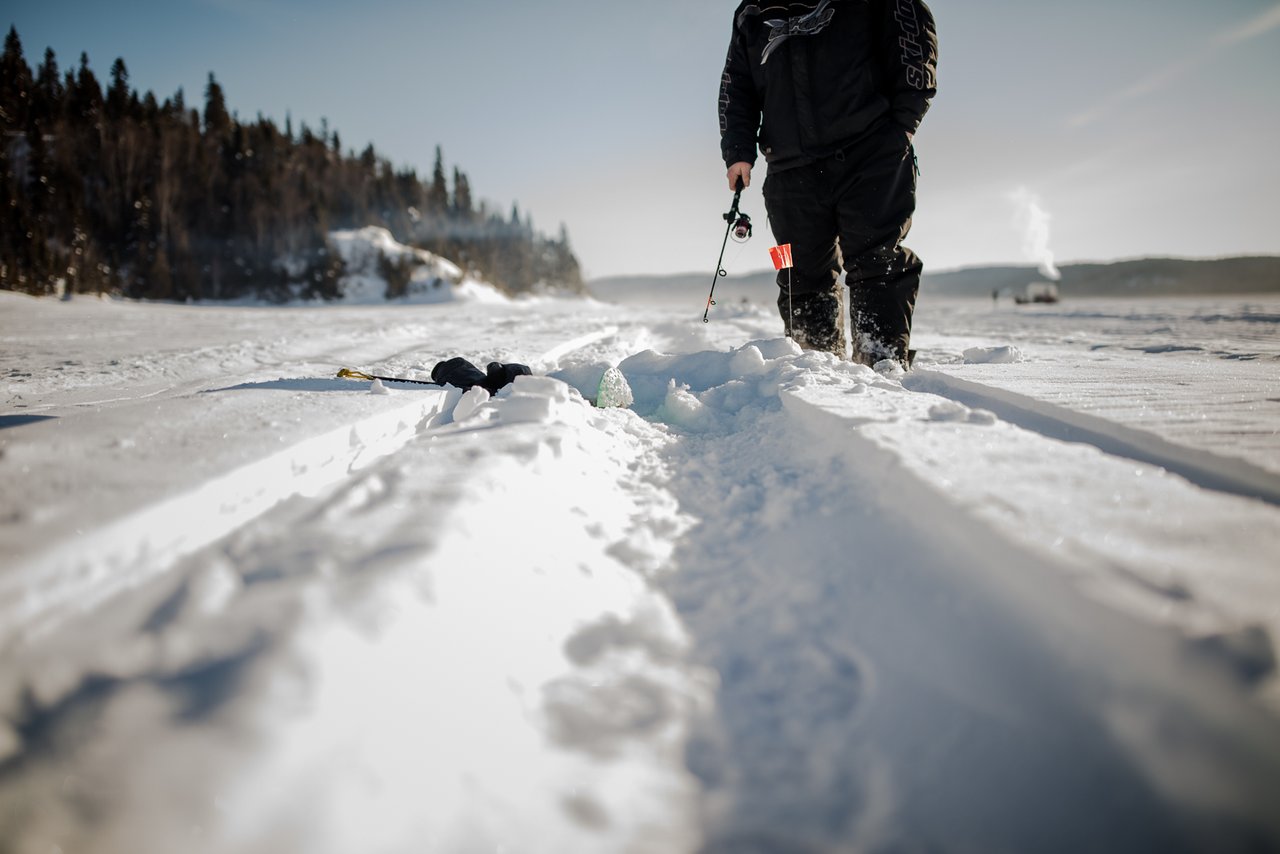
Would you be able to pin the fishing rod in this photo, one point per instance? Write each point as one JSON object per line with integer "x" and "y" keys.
{"x": 739, "y": 225}
{"x": 349, "y": 374}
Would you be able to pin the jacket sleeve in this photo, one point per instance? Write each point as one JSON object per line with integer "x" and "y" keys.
{"x": 739, "y": 105}
{"x": 910, "y": 56}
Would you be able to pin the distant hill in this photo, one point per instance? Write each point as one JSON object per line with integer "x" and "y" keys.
{"x": 1143, "y": 277}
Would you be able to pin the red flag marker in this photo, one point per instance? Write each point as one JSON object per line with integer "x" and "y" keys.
{"x": 781, "y": 256}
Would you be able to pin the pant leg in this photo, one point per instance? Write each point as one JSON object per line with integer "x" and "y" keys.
{"x": 877, "y": 198}
{"x": 802, "y": 213}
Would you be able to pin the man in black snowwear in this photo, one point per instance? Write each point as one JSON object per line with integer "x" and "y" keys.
{"x": 832, "y": 92}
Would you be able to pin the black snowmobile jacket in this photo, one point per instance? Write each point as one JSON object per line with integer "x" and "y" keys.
{"x": 822, "y": 74}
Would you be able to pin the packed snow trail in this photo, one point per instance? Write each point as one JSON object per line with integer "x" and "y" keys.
{"x": 895, "y": 677}
{"x": 784, "y": 603}
{"x": 377, "y": 668}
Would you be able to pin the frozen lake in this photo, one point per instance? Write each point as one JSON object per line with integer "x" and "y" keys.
{"x": 1023, "y": 597}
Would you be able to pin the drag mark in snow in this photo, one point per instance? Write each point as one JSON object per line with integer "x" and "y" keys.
{"x": 106, "y": 401}
{"x": 80, "y": 573}
{"x": 1203, "y": 468}
{"x": 561, "y": 350}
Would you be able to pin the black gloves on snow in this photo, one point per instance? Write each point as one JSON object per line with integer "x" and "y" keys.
{"x": 460, "y": 373}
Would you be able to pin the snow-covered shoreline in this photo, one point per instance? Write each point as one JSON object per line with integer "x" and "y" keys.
{"x": 782, "y": 603}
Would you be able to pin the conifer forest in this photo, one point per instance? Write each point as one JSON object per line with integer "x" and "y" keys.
{"x": 108, "y": 191}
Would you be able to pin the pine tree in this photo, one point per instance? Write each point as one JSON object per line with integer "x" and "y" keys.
{"x": 86, "y": 99}
{"x": 47, "y": 100}
{"x": 438, "y": 195}
{"x": 117, "y": 104}
{"x": 462, "y": 203}
{"x": 217, "y": 121}
{"x": 15, "y": 85}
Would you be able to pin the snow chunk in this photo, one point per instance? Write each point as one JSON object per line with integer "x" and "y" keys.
{"x": 548, "y": 387}
{"x": 777, "y": 348}
{"x": 533, "y": 399}
{"x": 376, "y": 387}
{"x": 527, "y": 409}
{"x": 748, "y": 362}
{"x": 1006, "y": 355}
{"x": 474, "y": 398}
{"x": 681, "y": 408}
{"x": 890, "y": 369}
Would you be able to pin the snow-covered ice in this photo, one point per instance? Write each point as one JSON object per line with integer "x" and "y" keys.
{"x": 1023, "y": 597}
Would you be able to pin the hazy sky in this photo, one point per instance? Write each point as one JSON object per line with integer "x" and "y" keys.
{"x": 1120, "y": 127}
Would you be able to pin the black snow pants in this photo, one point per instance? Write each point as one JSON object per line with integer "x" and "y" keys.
{"x": 852, "y": 209}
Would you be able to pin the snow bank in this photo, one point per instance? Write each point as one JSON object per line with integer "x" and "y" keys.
{"x": 431, "y": 279}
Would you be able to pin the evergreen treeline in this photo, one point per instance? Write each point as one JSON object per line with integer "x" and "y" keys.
{"x": 112, "y": 192}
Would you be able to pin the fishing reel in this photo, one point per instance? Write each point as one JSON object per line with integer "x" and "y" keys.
{"x": 741, "y": 226}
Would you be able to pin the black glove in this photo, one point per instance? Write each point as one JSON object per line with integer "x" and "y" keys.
{"x": 502, "y": 374}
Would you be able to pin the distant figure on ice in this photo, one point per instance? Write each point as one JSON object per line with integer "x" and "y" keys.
{"x": 832, "y": 92}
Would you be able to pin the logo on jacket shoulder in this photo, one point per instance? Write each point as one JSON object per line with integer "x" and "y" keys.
{"x": 808, "y": 23}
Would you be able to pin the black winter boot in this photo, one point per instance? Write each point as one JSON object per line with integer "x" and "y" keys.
{"x": 814, "y": 321}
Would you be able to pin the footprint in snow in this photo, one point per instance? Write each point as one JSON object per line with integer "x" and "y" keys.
{"x": 959, "y": 413}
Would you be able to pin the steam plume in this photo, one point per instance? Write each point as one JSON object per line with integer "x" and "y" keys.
{"x": 1033, "y": 221}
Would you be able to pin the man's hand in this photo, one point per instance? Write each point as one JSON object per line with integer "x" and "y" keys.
{"x": 740, "y": 170}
